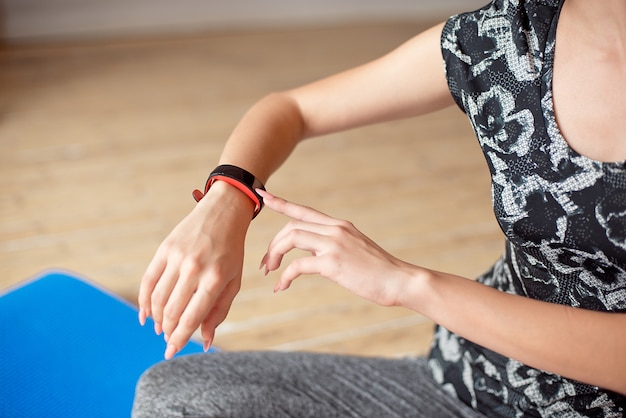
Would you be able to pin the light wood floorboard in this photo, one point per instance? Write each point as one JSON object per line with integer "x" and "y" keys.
{"x": 101, "y": 145}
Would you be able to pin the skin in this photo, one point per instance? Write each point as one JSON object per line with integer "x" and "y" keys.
{"x": 196, "y": 272}
{"x": 589, "y": 104}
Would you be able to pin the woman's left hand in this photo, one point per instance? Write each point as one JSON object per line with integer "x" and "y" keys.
{"x": 338, "y": 251}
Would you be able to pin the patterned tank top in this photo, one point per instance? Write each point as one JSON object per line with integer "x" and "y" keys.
{"x": 563, "y": 214}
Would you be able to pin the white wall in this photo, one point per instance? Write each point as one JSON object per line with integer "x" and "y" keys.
{"x": 59, "y": 19}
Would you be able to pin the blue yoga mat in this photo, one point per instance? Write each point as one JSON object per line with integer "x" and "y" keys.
{"x": 71, "y": 349}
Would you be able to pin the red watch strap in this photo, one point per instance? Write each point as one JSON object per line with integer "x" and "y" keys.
{"x": 238, "y": 178}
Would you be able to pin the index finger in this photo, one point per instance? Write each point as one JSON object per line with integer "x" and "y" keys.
{"x": 294, "y": 210}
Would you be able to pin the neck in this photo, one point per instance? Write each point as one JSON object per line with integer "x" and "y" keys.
{"x": 600, "y": 22}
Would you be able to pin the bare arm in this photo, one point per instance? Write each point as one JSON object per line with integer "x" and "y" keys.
{"x": 408, "y": 81}
{"x": 580, "y": 344}
{"x": 196, "y": 272}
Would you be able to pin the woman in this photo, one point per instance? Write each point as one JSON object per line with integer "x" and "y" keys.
{"x": 540, "y": 334}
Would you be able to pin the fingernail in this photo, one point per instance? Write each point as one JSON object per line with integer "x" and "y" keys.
{"x": 262, "y": 262}
{"x": 265, "y": 194}
{"x": 170, "y": 351}
{"x": 207, "y": 345}
{"x": 166, "y": 337}
{"x": 142, "y": 317}
{"x": 158, "y": 329}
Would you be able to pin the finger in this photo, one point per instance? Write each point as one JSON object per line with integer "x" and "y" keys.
{"x": 295, "y": 225}
{"x": 161, "y": 294}
{"x": 199, "y": 306}
{"x": 148, "y": 282}
{"x": 298, "y": 267}
{"x": 219, "y": 312}
{"x": 292, "y": 227}
{"x": 179, "y": 298}
{"x": 301, "y": 239}
{"x": 294, "y": 210}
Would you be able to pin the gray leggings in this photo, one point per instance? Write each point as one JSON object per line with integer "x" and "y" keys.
{"x": 275, "y": 384}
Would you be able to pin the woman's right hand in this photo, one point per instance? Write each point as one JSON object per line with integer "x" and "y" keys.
{"x": 196, "y": 271}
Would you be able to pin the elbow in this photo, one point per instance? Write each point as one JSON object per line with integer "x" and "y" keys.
{"x": 289, "y": 111}
{"x": 620, "y": 387}
{"x": 617, "y": 376}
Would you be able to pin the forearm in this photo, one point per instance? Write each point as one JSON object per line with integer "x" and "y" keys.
{"x": 265, "y": 136}
{"x": 260, "y": 143}
{"x": 579, "y": 344}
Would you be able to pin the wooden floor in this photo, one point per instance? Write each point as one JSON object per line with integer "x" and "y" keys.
{"x": 101, "y": 145}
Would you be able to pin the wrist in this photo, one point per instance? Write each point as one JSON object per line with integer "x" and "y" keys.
{"x": 417, "y": 289}
{"x": 238, "y": 178}
{"x": 230, "y": 201}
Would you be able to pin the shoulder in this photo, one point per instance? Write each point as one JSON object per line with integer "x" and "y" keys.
{"x": 496, "y": 19}
{"x": 504, "y": 36}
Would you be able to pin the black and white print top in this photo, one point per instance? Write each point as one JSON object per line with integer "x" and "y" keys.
{"x": 563, "y": 214}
